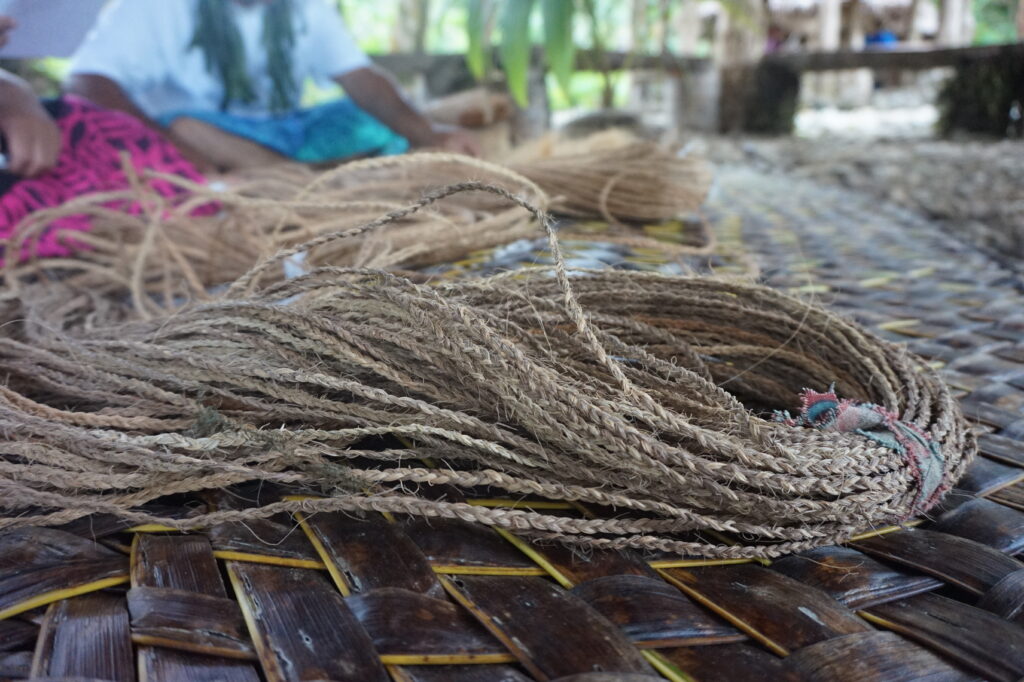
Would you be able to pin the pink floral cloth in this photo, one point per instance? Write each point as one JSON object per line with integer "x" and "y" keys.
{"x": 90, "y": 161}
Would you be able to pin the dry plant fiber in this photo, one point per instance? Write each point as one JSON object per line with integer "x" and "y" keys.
{"x": 169, "y": 252}
{"x": 166, "y": 256}
{"x": 635, "y": 394}
{"x": 620, "y": 175}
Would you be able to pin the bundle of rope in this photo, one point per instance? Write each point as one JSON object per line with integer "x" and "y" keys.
{"x": 624, "y": 177}
{"x": 164, "y": 255}
{"x": 166, "y": 250}
{"x": 643, "y": 397}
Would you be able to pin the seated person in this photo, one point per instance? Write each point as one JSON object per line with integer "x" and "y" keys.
{"x": 57, "y": 150}
{"x": 881, "y": 37}
{"x": 224, "y": 78}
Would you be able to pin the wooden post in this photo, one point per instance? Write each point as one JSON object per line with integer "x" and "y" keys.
{"x": 688, "y": 27}
{"x": 695, "y": 100}
{"x": 535, "y": 120}
{"x": 724, "y": 118}
{"x": 856, "y": 85}
{"x": 410, "y": 36}
{"x": 719, "y": 39}
{"x": 608, "y": 92}
{"x": 639, "y": 80}
{"x": 746, "y": 36}
{"x": 824, "y": 86}
{"x": 910, "y": 33}
{"x": 831, "y": 27}
{"x": 640, "y": 29}
{"x": 404, "y": 29}
{"x": 953, "y": 23}
{"x": 422, "y": 20}
{"x": 664, "y": 14}
{"x": 856, "y": 31}
{"x": 742, "y": 46}
{"x": 692, "y": 95}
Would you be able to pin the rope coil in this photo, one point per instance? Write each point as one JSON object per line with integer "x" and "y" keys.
{"x": 645, "y": 397}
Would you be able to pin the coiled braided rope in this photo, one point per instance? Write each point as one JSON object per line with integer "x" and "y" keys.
{"x": 633, "y": 393}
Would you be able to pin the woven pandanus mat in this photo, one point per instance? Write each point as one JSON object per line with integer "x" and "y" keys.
{"x": 380, "y": 597}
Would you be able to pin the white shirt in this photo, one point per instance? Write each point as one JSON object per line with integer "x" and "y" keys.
{"x": 143, "y": 45}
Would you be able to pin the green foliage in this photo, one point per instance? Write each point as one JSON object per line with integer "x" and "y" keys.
{"x": 559, "y": 48}
{"x": 473, "y": 27}
{"x": 995, "y": 21}
{"x": 587, "y": 91}
{"x": 55, "y": 68}
{"x": 478, "y": 56}
{"x": 515, "y": 22}
{"x": 515, "y": 47}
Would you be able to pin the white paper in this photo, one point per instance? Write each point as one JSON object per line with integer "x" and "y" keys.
{"x": 48, "y": 28}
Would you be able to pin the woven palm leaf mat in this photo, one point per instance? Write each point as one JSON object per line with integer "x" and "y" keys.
{"x": 384, "y": 597}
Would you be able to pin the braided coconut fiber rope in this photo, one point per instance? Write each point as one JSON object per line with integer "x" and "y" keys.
{"x": 164, "y": 255}
{"x": 636, "y": 394}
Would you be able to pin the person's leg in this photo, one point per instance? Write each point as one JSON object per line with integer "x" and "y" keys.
{"x": 340, "y": 130}
{"x": 227, "y": 151}
{"x": 330, "y": 132}
{"x": 95, "y": 143}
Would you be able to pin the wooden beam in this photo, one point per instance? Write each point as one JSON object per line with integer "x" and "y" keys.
{"x": 618, "y": 61}
{"x": 909, "y": 59}
{"x": 407, "y": 65}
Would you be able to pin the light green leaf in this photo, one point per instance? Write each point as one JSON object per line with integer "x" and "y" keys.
{"x": 559, "y": 48}
{"x": 478, "y": 54}
{"x": 515, "y": 47}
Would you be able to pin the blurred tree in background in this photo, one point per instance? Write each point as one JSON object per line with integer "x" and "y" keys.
{"x": 996, "y": 21}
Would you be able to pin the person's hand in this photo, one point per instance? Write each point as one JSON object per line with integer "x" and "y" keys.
{"x": 7, "y": 24}
{"x": 457, "y": 140}
{"x": 33, "y": 139}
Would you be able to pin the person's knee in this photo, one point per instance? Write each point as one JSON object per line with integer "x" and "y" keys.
{"x": 225, "y": 149}
{"x": 186, "y": 126}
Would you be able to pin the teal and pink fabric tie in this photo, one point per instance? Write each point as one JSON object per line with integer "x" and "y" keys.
{"x": 827, "y": 412}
